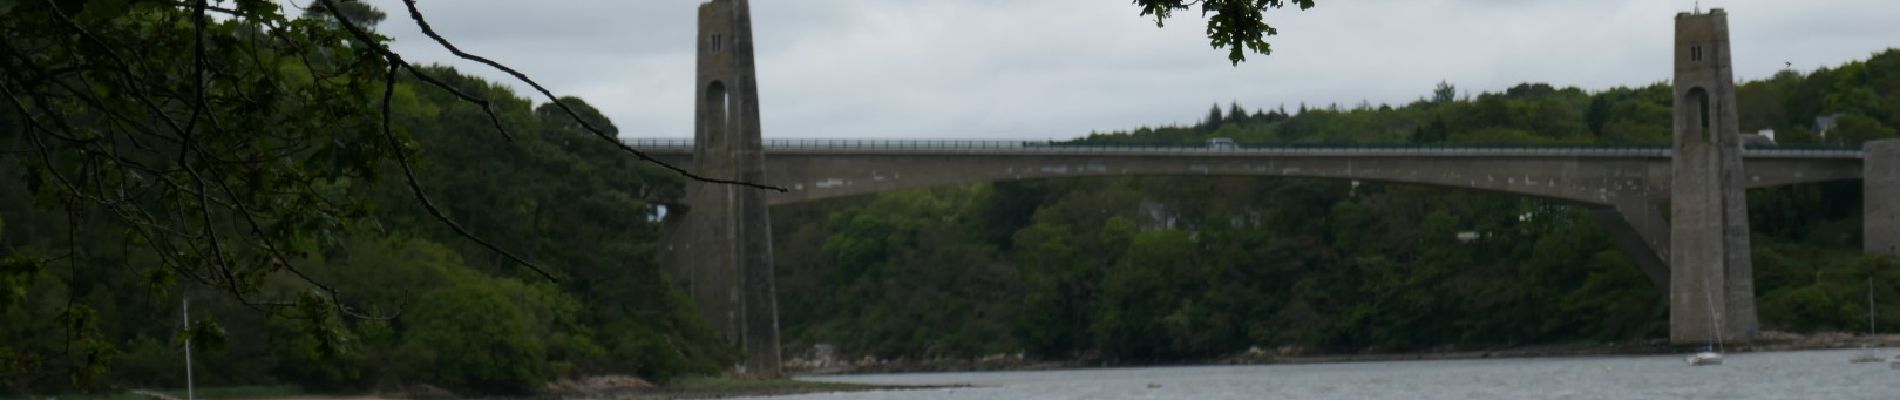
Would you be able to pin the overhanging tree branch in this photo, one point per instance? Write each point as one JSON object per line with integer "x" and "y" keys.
{"x": 415, "y": 187}
{"x": 427, "y": 30}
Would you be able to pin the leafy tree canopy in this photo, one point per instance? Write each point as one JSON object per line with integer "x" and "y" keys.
{"x": 1238, "y": 25}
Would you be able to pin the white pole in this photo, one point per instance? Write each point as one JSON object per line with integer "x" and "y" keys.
{"x": 188, "y": 388}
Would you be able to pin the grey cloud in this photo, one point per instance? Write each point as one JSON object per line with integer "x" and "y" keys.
{"x": 1060, "y": 68}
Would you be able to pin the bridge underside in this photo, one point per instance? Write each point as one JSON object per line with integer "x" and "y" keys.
{"x": 1625, "y": 192}
{"x": 1589, "y": 180}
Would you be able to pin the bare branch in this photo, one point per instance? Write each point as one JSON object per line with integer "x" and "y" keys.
{"x": 488, "y": 107}
{"x": 416, "y": 14}
{"x": 409, "y": 174}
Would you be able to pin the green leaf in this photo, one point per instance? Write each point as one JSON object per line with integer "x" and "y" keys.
{"x": 17, "y": 273}
{"x": 206, "y": 336}
{"x": 97, "y": 10}
{"x": 305, "y": 245}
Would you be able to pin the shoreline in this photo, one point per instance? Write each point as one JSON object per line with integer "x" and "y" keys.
{"x": 716, "y": 388}
{"x": 1768, "y": 342}
{"x": 811, "y": 380}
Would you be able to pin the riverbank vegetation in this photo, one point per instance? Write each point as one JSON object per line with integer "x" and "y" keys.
{"x": 294, "y": 228}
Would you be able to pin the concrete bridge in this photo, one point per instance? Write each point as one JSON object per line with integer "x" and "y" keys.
{"x": 812, "y": 169}
{"x": 719, "y": 242}
{"x": 1626, "y": 186}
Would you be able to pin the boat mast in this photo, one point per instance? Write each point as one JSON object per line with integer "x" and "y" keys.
{"x": 1714, "y": 317}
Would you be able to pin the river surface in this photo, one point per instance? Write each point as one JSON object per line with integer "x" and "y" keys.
{"x": 1783, "y": 375}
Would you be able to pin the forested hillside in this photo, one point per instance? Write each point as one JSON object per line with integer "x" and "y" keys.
{"x": 281, "y": 172}
{"x": 79, "y": 313}
{"x": 1166, "y": 268}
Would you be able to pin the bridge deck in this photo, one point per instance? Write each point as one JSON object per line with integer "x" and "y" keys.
{"x": 814, "y": 169}
{"x": 1007, "y": 147}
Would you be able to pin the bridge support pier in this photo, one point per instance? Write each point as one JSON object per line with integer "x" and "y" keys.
{"x": 1711, "y": 285}
{"x": 721, "y": 245}
{"x": 1880, "y": 188}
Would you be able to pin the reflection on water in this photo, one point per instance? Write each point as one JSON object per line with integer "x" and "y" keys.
{"x": 1791, "y": 375}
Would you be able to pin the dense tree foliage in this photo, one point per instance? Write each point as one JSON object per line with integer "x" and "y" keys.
{"x": 250, "y": 172}
{"x": 1146, "y": 269}
{"x": 1238, "y": 25}
{"x": 463, "y": 318}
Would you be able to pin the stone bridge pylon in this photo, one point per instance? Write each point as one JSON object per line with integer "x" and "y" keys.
{"x": 1712, "y": 281}
{"x": 720, "y": 246}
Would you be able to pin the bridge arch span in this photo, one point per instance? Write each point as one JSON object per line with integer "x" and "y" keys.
{"x": 1622, "y": 187}
{"x": 1579, "y": 179}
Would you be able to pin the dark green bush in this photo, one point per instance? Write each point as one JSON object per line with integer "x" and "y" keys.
{"x": 471, "y": 339}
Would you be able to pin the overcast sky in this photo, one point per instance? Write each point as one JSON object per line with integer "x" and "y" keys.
{"x": 1035, "y": 69}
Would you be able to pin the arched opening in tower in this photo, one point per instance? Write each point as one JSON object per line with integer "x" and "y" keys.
{"x": 1700, "y": 99}
{"x": 718, "y": 108}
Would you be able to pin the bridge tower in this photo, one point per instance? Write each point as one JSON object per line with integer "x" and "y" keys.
{"x": 1880, "y": 186}
{"x": 721, "y": 245}
{"x": 1711, "y": 293}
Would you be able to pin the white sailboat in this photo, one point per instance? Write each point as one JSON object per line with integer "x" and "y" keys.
{"x": 1709, "y": 356}
{"x": 1867, "y": 354}
{"x": 1705, "y": 357}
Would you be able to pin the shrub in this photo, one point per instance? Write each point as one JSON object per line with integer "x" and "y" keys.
{"x": 471, "y": 339}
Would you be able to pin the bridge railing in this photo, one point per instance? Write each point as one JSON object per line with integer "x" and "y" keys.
{"x": 1065, "y": 146}
{"x": 1803, "y": 148}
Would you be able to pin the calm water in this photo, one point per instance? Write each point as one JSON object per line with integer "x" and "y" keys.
{"x": 1793, "y": 375}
